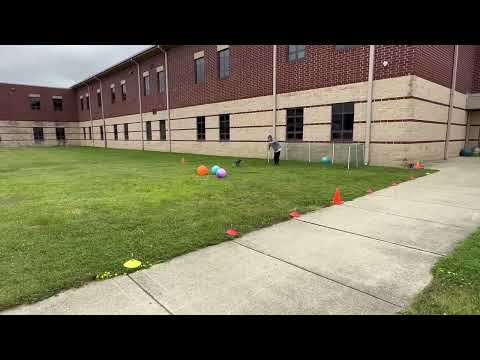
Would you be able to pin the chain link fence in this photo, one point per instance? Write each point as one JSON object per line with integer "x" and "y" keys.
{"x": 347, "y": 154}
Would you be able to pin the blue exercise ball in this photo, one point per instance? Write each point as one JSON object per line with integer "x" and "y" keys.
{"x": 214, "y": 169}
{"x": 467, "y": 152}
{"x": 326, "y": 160}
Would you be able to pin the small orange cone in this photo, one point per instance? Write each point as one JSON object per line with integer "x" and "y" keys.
{"x": 295, "y": 214}
{"x": 418, "y": 165}
{"x": 337, "y": 197}
{"x": 370, "y": 190}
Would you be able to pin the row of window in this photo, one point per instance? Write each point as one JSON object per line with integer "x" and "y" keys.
{"x": 35, "y": 104}
{"x": 341, "y": 129}
{"x": 39, "y": 137}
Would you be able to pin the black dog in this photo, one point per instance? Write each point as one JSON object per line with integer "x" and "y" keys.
{"x": 237, "y": 162}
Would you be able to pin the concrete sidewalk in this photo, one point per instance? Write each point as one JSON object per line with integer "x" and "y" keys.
{"x": 369, "y": 256}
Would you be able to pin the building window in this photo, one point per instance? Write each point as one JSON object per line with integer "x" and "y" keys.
{"x": 146, "y": 85}
{"x": 345, "y": 47}
{"x": 200, "y": 128}
{"x": 295, "y": 124}
{"x": 87, "y": 101}
{"x": 161, "y": 81}
{"x": 101, "y": 132}
{"x": 57, "y": 104}
{"x": 35, "y": 103}
{"x": 125, "y": 131}
{"x": 148, "y": 125}
{"x": 163, "y": 130}
{"x": 342, "y": 122}
{"x": 60, "y": 133}
{"x": 38, "y": 135}
{"x": 90, "y": 132}
{"x": 199, "y": 70}
{"x": 224, "y": 63}
{"x": 99, "y": 99}
{"x": 115, "y": 132}
{"x": 84, "y": 134}
{"x": 296, "y": 52}
{"x": 112, "y": 93}
{"x": 81, "y": 103}
{"x": 225, "y": 127}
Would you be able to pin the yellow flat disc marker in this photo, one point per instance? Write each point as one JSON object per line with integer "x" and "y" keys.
{"x": 132, "y": 264}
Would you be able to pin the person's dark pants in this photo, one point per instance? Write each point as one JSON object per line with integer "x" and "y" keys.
{"x": 276, "y": 157}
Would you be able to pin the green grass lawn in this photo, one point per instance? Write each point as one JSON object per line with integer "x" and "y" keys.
{"x": 455, "y": 288}
{"x": 69, "y": 214}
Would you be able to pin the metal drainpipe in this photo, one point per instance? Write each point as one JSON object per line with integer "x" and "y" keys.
{"x": 371, "y": 63}
{"x": 450, "y": 108}
{"x": 167, "y": 93}
{"x": 274, "y": 79}
{"x": 103, "y": 113}
{"x": 140, "y": 100}
{"x": 90, "y": 110}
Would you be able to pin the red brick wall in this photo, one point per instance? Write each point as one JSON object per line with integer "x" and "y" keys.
{"x": 400, "y": 61}
{"x": 476, "y": 72}
{"x": 250, "y": 74}
{"x": 434, "y": 63}
{"x": 322, "y": 66}
{"x": 465, "y": 65}
{"x": 15, "y": 103}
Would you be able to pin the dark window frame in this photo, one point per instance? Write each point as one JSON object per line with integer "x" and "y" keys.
{"x": 163, "y": 130}
{"x": 161, "y": 81}
{"x": 224, "y": 127}
{"x": 99, "y": 99}
{"x": 115, "y": 132}
{"x": 125, "y": 132}
{"x": 60, "y": 134}
{"x": 35, "y": 103}
{"x": 81, "y": 104}
{"x": 84, "y": 133}
{"x": 342, "y": 114}
{"x": 89, "y": 133}
{"x": 296, "y": 51}
{"x": 294, "y": 125}
{"x": 201, "y": 133}
{"x": 146, "y": 80}
{"x": 148, "y": 130}
{"x": 123, "y": 91}
{"x": 38, "y": 135}
{"x": 200, "y": 62}
{"x": 101, "y": 132}
{"x": 57, "y": 104}
{"x": 224, "y": 64}
{"x": 113, "y": 95}
{"x": 87, "y": 102}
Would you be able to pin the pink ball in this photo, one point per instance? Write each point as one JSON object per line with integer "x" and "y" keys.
{"x": 221, "y": 173}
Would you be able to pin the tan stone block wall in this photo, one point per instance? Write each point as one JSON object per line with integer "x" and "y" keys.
{"x": 393, "y": 154}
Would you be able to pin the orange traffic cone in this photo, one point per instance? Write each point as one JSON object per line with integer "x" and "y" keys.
{"x": 337, "y": 197}
{"x": 370, "y": 190}
{"x": 418, "y": 165}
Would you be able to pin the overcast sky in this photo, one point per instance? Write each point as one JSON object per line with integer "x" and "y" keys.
{"x": 59, "y": 65}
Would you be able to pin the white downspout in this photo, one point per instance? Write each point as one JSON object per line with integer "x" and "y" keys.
{"x": 167, "y": 93}
{"x": 90, "y": 110}
{"x": 140, "y": 100}
{"x": 103, "y": 113}
{"x": 274, "y": 79}
{"x": 450, "y": 108}
{"x": 368, "y": 123}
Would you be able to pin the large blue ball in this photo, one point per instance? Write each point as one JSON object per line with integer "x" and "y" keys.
{"x": 326, "y": 160}
{"x": 214, "y": 169}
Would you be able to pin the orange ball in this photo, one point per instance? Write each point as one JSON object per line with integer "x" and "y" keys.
{"x": 202, "y": 170}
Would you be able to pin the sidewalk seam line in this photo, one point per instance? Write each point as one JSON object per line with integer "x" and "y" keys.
{"x": 429, "y": 202}
{"x": 404, "y": 216}
{"x": 150, "y": 295}
{"x": 318, "y": 274}
{"x": 373, "y": 238}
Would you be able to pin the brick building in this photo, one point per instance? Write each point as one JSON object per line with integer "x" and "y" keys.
{"x": 226, "y": 99}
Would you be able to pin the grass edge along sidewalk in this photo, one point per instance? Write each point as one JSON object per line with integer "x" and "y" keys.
{"x": 455, "y": 287}
{"x": 70, "y": 214}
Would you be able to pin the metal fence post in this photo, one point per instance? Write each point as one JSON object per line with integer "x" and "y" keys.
{"x": 356, "y": 154}
{"x": 348, "y": 166}
{"x": 309, "y": 153}
{"x": 333, "y": 153}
